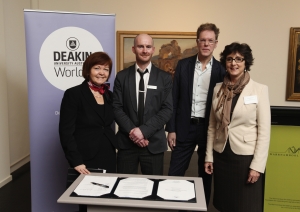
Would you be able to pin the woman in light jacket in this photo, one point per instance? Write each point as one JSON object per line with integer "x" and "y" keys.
{"x": 238, "y": 134}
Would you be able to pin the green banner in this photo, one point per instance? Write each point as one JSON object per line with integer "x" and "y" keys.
{"x": 282, "y": 188}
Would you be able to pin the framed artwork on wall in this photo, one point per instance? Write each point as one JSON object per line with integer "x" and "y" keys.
{"x": 170, "y": 47}
{"x": 293, "y": 72}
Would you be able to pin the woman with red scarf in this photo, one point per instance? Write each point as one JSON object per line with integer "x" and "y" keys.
{"x": 86, "y": 118}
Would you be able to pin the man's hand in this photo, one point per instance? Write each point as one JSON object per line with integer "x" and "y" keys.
{"x": 142, "y": 143}
{"x": 171, "y": 140}
{"x": 136, "y": 135}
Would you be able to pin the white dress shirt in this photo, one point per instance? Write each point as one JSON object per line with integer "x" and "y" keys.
{"x": 137, "y": 81}
{"x": 200, "y": 88}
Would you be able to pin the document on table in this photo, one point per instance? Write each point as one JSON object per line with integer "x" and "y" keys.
{"x": 181, "y": 190}
{"x": 134, "y": 187}
{"x": 95, "y": 185}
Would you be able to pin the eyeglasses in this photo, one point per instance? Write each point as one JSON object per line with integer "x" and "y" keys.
{"x": 203, "y": 41}
{"x": 237, "y": 59}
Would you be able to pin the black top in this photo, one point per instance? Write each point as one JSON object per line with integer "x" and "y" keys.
{"x": 83, "y": 125}
{"x": 234, "y": 101}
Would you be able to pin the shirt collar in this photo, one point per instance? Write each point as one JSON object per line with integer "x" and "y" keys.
{"x": 148, "y": 67}
{"x": 209, "y": 64}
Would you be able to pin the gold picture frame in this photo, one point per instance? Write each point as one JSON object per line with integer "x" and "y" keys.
{"x": 293, "y": 72}
{"x": 169, "y": 48}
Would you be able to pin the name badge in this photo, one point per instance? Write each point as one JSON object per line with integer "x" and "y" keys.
{"x": 152, "y": 87}
{"x": 250, "y": 100}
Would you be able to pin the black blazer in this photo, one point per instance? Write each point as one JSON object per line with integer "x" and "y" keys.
{"x": 81, "y": 127}
{"x": 157, "y": 112}
{"x": 183, "y": 95}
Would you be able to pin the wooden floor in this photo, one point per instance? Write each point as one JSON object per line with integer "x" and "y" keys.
{"x": 15, "y": 196}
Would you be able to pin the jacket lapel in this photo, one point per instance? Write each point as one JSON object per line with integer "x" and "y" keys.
{"x": 191, "y": 70}
{"x": 132, "y": 87}
{"x": 240, "y": 103}
{"x": 107, "y": 109}
{"x": 150, "y": 92}
{"x": 214, "y": 74}
{"x": 89, "y": 98}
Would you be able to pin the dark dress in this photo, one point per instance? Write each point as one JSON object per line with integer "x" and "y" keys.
{"x": 85, "y": 129}
{"x": 232, "y": 193}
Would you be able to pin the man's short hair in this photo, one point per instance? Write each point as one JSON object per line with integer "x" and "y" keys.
{"x": 208, "y": 26}
{"x": 135, "y": 38}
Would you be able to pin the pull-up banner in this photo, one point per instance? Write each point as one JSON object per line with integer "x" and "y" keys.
{"x": 57, "y": 44}
{"x": 282, "y": 187}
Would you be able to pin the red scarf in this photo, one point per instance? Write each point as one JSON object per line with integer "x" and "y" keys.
{"x": 101, "y": 89}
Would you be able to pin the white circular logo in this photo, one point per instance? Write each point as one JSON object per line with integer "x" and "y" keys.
{"x": 63, "y": 53}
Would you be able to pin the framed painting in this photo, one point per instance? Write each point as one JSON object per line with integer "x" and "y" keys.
{"x": 293, "y": 72}
{"x": 170, "y": 47}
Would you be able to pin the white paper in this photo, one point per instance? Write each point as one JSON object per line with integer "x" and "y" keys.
{"x": 86, "y": 188}
{"x": 134, "y": 188}
{"x": 250, "y": 100}
{"x": 176, "y": 190}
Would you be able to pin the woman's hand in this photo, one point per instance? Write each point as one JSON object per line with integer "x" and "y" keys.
{"x": 82, "y": 169}
{"x": 253, "y": 176}
{"x": 209, "y": 168}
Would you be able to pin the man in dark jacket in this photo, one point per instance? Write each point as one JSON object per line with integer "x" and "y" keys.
{"x": 194, "y": 81}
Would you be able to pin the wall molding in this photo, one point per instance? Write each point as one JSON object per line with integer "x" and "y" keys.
{"x": 19, "y": 163}
{"x": 5, "y": 181}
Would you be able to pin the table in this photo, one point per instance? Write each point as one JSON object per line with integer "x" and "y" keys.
{"x": 134, "y": 205}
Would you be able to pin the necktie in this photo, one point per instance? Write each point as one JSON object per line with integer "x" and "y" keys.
{"x": 141, "y": 96}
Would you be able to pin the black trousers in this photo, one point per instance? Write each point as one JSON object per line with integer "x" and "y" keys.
{"x": 128, "y": 161}
{"x": 183, "y": 151}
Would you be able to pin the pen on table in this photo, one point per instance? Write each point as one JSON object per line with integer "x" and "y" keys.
{"x": 102, "y": 185}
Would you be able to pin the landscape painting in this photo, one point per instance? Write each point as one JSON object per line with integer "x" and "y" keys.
{"x": 170, "y": 47}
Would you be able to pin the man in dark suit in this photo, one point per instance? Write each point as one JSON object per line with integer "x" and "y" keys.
{"x": 194, "y": 81}
{"x": 142, "y": 104}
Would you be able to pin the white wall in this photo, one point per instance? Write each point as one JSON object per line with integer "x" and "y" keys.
{"x": 15, "y": 60}
{"x": 264, "y": 25}
{"x": 5, "y": 176}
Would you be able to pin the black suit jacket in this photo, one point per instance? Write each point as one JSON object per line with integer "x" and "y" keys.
{"x": 183, "y": 95}
{"x": 81, "y": 127}
{"x": 157, "y": 112}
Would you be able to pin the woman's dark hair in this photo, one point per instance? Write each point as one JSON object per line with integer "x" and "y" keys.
{"x": 97, "y": 58}
{"x": 241, "y": 48}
